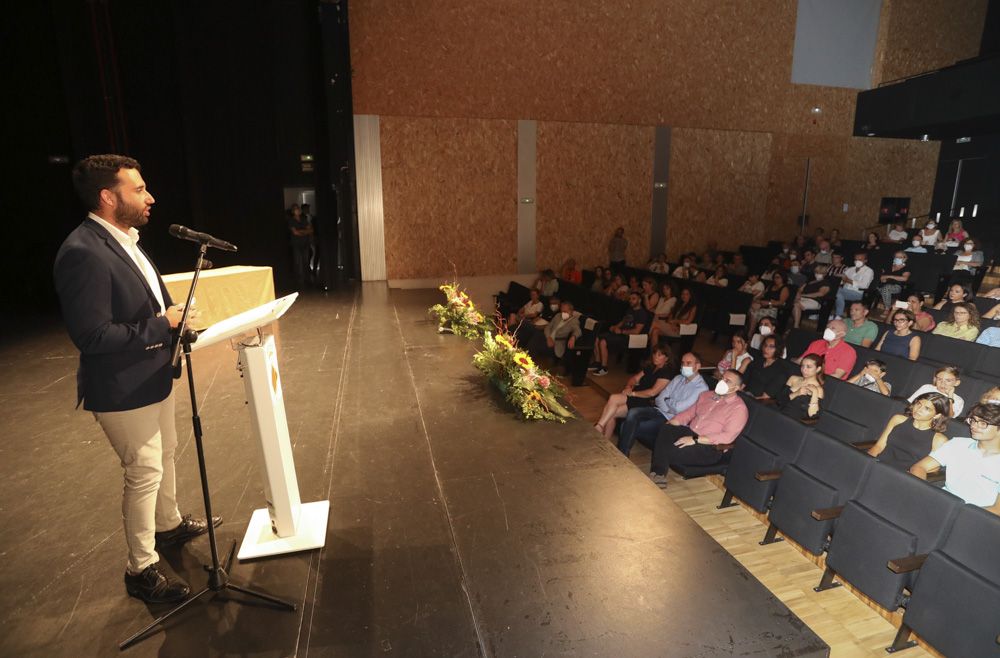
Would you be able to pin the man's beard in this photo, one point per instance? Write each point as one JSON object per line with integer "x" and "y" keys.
{"x": 128, "y": 216}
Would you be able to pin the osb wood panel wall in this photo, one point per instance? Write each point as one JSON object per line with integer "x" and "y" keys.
{"x": 922, "y": 35}
{"x": 717, "y": 189}
{"x": 720, "y": 71}
{"x": 592, "y": 178}
{"x": 450, "y": 196}
{"x": 852, "y": 170}
{"x": 721, "y": 64}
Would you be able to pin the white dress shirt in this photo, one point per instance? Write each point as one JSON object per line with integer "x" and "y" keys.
{"x": 861, "y": 277}
{"x": 130, "y": 243}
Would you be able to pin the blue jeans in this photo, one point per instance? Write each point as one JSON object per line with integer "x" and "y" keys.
{"x": 641, "y": 423}
{"x": 843, "y": 296}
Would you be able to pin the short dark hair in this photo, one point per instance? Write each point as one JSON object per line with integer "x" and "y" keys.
{"x": 737, "y": 373}
{"x": 877, "y": 363}
{"x": 988, "y": 412}
{"x": 96, "y": 173}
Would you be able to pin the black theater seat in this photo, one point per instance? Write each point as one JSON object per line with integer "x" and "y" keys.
{"x": 895, "y": 515}
{"x": 858, "y": 412}
{"x": 825, "y": 474}
{"x": 767, "y": 444}
{"x": 955, "y": 601}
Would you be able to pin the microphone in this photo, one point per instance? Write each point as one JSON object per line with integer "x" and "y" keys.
{"x": 184, "y": 233}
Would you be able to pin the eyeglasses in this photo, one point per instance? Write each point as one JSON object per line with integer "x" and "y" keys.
{"x": 904, "y": 319}
{"x": 977, "y": 423}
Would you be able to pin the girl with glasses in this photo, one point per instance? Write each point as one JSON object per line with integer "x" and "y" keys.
{"x": 902, "y": 340}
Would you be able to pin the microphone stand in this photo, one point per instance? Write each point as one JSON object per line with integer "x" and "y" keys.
{"x": 218, "y": 575}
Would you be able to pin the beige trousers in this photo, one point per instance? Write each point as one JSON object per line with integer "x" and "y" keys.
{"x": 145, "y": 440}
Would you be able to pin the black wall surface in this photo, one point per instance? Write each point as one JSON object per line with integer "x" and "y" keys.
{"x": 217, "y": 100}
{"x": 977, "y": 184}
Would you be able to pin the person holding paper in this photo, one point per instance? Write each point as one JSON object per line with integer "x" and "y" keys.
{"x": 122, "y": 319}
{"x": 636, "y": 321}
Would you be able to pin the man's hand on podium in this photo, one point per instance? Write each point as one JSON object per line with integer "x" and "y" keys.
{"x": 175, "y": 312}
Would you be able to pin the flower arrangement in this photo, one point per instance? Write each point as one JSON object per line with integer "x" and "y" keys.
{"x": 529, "y": 388}
{"x": 458, "y": 314}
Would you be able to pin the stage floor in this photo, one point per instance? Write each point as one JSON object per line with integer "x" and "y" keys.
{"x": 456, "y": 529}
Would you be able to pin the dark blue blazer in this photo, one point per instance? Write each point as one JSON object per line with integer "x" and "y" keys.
{"x": 113, "y": 319}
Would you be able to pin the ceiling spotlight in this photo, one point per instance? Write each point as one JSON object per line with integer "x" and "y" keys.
{"x": 925, "y": 138}
{"x": 817, "y": 110}
{"x": 963, "y": 140}
{"x": 871, "y": 134}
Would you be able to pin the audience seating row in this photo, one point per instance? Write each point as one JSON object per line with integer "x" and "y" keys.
{"x": 979, "y": 364}
{"x": 877, "y": 525}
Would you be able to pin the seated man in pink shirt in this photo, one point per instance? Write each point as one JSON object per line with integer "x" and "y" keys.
{"x": 693, "y": 436}
{"x": 838, "y": 355}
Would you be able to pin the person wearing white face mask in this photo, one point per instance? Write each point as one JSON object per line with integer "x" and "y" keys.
{"x": 930, "y": 234}
{"x": 686, "y": 269}
{"x": 766, "y": 328}
{"x": 839, "y": 356}
{"x": 702, "y": 434}
{"x": 809, "y": 296}
{"x": 893, "y": 278}
{"x": 795, "y": 275}
{"x": 969, "y": 259}
{"x": 560, "y": 333}
{"x": 856, "y": 281}
{"x": 643, "y": 423}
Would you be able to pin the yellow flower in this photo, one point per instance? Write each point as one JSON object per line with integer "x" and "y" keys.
{"x": 523, "y": 360}
{"x": 503, "y": 340}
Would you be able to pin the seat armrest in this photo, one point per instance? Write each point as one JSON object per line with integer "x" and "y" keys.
{"x": 809, "y": 421}
{"x": 767, "y": 476}
{"x": 863, "y": 445}
{"x": 827, "y": 513}
{"x": 907, "y": 564}
{"x": 937, "y": 476}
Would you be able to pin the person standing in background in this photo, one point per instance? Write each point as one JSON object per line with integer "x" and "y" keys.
{"x": 616, "y": 249}
{"x": 301, "y": 229}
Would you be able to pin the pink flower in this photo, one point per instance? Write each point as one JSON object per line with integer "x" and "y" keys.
{"x": 544, "y": 382}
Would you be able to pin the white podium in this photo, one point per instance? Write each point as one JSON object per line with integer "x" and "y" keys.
{"x": 287, "y": 524}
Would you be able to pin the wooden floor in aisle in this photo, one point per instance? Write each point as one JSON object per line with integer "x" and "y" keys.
{"x": 840, "y": 618}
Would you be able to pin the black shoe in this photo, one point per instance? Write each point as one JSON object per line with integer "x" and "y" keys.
{"x": 153, "y": 587}
{"x": 188, "y": 529}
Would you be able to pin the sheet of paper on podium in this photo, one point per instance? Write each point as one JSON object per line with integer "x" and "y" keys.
{"x": 245, "y": 322}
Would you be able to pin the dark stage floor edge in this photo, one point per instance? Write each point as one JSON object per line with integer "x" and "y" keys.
{"x": 456, "y": 528}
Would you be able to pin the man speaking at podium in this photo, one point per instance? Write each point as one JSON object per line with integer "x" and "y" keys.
{"x": 121, "y": 318}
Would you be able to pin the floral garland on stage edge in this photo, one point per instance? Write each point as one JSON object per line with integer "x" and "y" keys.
{"x": 458, "y": 314}
{"x": 526, "y": 386}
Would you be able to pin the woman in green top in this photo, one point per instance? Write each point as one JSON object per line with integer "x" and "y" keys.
{"x": 962, "y": 323}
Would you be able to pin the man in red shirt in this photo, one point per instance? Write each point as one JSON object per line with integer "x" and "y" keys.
{"x": 838, "y": 355}
{"x": 694, "y": 436}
